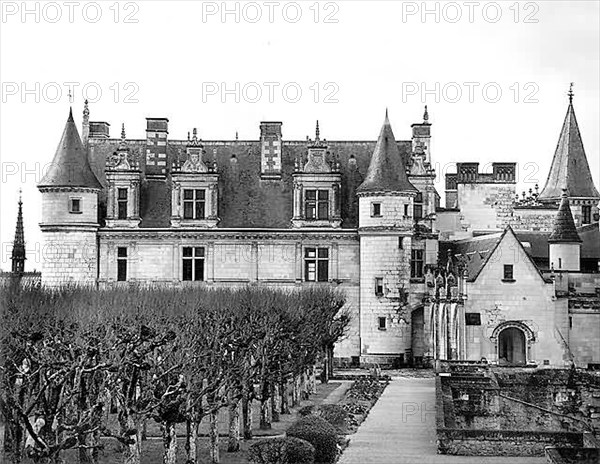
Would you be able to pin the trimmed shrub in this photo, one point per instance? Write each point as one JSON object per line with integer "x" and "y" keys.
{"x": 335, "y": 415}
{"x": 319, "y": 433}
{"x": 286, "y": 450}
{"x": 306, "y": 410}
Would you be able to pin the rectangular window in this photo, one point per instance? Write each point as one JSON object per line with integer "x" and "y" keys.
{"x": 376, "y": 210}
{"x": 508, "y": 272}
{"x": 586, "y": 212}
{"x": 122, "y": 203}
{"x": 75, "y": 205}
{"x": 379, "y": 286}
{"x": 418, "y": 206}
{"x": 316, "y": 264}
{"x": 416, "y": 264}
{"x": 194, "y": 204}
{"x": 401, "y": 243}
{"x": 472, "y": 318}
{"x": 193, "y": 264}
{"x": 121, "y": 264}
{"x": 405, "y": 210}
{"x": 316, "y": 205}
{"x": 382, "y": 323}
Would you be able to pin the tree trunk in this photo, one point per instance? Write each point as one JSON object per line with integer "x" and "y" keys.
{"x": 233, "y": 443}
{"x": 86, "y": 455}
{"x": 275, "y": 402}
{"x": 313, "y": 380}
{"x": 133, "y": 452}
{"x": 283, "y": 389}
{"x": 191, "y": 442}
{"x": 3, "y": 430}
{"x": 169, "y": 443}
{"x": 144, "y": 432}
{"x": 247, "y": 417}
{"x": 325, "y": 374}
{"x": 214, "y": 437}
{"x": 265, "y": 407}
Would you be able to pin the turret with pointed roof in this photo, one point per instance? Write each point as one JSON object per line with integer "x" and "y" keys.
{"x": 564, "y": 244}
{"x": 70, "y": 166}
{"x": 564, "y": 229}
{"x": 18, "y": 251}
{"x": 570, "y": 169}
{"x": 387, "y": 172}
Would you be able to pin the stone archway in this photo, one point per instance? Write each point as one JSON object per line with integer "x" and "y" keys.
{"x": 513, "y": 340}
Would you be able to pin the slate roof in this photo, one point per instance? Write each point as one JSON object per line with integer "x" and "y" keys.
{"x": 245, "y": 201}
{"x": 564, "y": 229}
{"x": 472, "y": 253}
{"x": 570, "y": 169}
{"x": 387, "y": 170}
{"x": 537, "y": 242}
{"x": 70, "y": 166}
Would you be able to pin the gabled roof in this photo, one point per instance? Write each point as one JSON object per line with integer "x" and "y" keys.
{"x": 570, "y": 169}
{"x": 475, "y": 253}
{"x": 387, "y": 171}
{"x": 70, "y": 166}
{"x": 564, "y": 230}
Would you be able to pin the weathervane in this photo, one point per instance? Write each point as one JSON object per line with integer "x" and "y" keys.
{"x": 571, "y": 94}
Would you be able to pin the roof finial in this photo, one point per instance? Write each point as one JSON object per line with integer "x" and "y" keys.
{"x": 317, "y": 133}
{"x": 426, "y": 115}
{"x": 571, "y": 94}
{"x": 387, "y": 119}
{"x": 20, "y": 192}
{"x": 236, "y": 136}
{"x": 86, "y": 109}
{"x": 122, "y": 132}
{"x": 194, "y": 135}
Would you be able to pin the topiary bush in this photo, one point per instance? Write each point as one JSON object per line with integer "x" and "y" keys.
{"x": 306, "y": 410}
{"x": 286, "y": 450}
{"x": 319, "y": 433}
{"x": 335, "y": 415}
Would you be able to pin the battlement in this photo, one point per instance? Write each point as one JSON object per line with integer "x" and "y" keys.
{"x": 467, "y": 173}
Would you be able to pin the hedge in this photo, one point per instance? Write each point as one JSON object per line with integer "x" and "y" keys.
{"x": 286, "y": 450}
{"x": 319, "y": 433}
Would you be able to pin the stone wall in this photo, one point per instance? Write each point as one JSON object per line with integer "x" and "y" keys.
{"x": 513, "y": 412}
{"x": 234, "y": 259}
{"x": 485, "y": 206}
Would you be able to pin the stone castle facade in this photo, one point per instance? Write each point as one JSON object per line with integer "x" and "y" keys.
{"x": 480, "y": 277}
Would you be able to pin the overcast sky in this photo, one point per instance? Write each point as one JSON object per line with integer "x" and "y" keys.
{"x": 349, "y": 59}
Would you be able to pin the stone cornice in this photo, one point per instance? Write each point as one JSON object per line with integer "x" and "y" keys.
{"x": 68, "y": 189}
{"x": 231, "y": 234}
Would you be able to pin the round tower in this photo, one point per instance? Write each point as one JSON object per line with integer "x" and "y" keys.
{"x": 385, "y": 210}
{"x": 69, "y": 214}
{"x": 564, "y": 242}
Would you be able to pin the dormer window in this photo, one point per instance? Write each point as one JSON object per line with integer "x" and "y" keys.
{"x": 122, "y": 203}
{"x": 194, "y": 204}
{"x": 75, "y": 206}
{"x": 317, "y": 205}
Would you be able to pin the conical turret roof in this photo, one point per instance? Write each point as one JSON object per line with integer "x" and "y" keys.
{"x": 564, "y": 227}
{"x": 70, "y": 166}
{"x": 386, "y": 172}
{"x": 570, "y": 169}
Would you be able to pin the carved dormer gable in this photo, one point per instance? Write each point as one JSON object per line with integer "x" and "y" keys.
{"x": 195, "y": 188}
{"x": 123, "y": 178}
{"x": 195, "y": 155}
{"x": 317, "y": 187}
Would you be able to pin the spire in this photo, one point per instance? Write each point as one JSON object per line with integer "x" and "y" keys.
{"x": 564, "y": 229}
{"x": 386, "y": 170}
{"x": 570, "y": 169}
{"x": 70, "y": 166}
{"x": 426, "y": 115}
{"x": 317, "y": 133}
{"x": 18, "y": 251}
{"x": 85, "y": 125}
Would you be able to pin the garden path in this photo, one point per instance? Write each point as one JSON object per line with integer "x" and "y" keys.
{"x": 400, "y": 429}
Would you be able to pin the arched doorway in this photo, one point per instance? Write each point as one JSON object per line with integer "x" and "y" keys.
{"x": 512, "y": 346}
